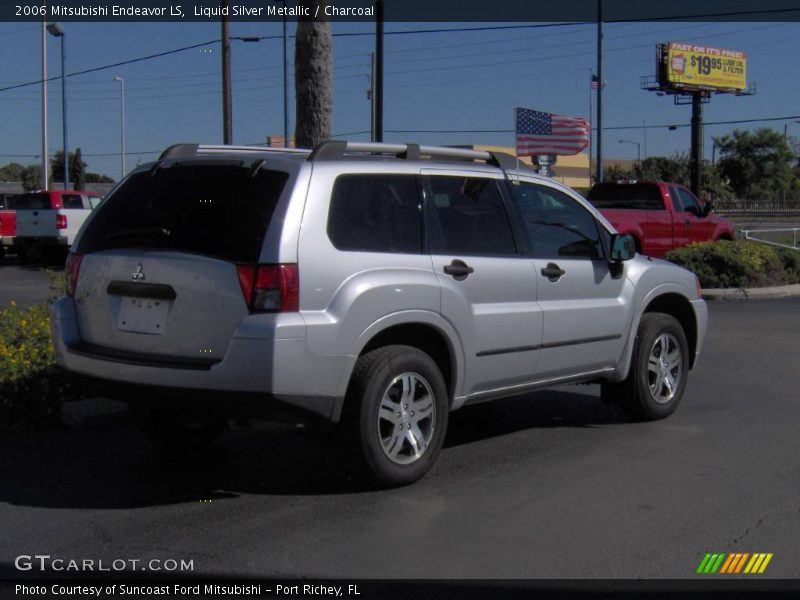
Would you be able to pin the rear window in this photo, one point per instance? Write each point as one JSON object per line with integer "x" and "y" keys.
{"x": 217, "y": 210}
{"x": 642, "y": 196}
{"x": 29, "y": 202}
{"x": 71, "y": 201}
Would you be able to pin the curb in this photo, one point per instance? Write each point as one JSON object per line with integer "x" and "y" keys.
{"x": 779, "y": 291}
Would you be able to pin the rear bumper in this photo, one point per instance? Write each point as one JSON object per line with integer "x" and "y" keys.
{"x": 701, "y": 318}
{"x": 45, "y": 240}
{"x": 280, "y": 371}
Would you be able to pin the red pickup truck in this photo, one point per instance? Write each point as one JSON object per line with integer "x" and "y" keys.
{"x": 660, "y": 216}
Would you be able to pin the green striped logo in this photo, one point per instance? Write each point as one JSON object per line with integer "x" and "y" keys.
{"x": 734, "y": 563}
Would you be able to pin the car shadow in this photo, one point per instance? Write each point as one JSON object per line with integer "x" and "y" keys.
{"x": 116, "y": 467}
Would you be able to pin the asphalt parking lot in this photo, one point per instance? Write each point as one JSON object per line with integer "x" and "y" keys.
{"x": 554, "y": 484}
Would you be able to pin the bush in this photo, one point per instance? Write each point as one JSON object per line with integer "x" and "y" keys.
{"x": 32, "y": 386}
{"x": 738, "y": 264}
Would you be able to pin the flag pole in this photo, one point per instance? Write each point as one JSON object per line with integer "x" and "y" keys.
{"x": 599, "y": 91}
{"x": 516, "y": 137}
{"x": 591, "y": 78}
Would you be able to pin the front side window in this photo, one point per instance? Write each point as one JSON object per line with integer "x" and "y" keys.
{"x": 376, "y": 213}
{"x": 470, "y": 217}
{"x": 688, "y": 201}
{"x": 557, "y": 225}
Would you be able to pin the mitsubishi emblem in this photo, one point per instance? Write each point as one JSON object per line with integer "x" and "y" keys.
{"x": 138, "y": 274}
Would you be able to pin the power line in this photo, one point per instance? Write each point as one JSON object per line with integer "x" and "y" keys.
{"x": 613, "y": 128}
{"x": 471, "y": 131}
{"x": 406, "y": 32}
{"x": 112, "y": 65}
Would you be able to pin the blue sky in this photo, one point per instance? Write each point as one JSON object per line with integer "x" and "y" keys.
{"x": 454, "y": 80}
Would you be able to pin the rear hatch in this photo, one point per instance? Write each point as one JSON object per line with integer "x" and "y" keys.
{"x": 35, "y": 215}
{"x": 158, "y": 274}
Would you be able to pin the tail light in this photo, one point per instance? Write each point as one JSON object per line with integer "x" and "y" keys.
{"x": 270, "y": 288}
{"x": 71, "y": 270}
{"x": 61, "y": 221}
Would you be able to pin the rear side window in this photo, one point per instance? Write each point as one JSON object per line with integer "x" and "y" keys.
{"x": 218, "y": 210}
{"x": 29, "y": 202}
{"x": 71, "y": 201}
{"x": 640, "y": 196}
{"x": 376, "y": 213}
{"x": 470, "y": 217}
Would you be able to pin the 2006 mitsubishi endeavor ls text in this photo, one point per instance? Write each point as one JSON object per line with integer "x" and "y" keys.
{"x": 373, "y": 286}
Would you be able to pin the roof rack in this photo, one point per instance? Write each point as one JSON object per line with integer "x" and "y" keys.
{"x": 337, "y": 150}
{"x": 188, "y": 150}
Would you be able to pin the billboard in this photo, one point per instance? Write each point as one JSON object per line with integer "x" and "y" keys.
{"x": 690, "y": 66}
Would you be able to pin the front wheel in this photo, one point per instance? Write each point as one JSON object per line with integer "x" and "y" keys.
{"x": 659, "y": 369}
{"x": 395, "y": 415}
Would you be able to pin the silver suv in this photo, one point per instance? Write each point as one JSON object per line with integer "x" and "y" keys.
{"x": 373, "y": 286}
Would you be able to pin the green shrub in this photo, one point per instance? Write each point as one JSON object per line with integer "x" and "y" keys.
{"x": 32, "y": 386}
{"x": 738, "y": 264}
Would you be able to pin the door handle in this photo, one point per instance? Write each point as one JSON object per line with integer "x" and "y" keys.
{"x": 553, "y": 272}
{"x": 458, "y": 269}
{"x": 688, "y": 223}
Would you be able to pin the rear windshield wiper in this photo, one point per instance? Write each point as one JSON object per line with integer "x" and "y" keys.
{"x": 134, "y": 231}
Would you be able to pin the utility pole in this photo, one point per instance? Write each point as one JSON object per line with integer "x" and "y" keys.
{"x": 379, "y": 71}
{"x": 697, "y": 143}
{"x": 371, "y": 97}
{"x": 285, "y": 85}
{"x": 644, "y": 135}
{"x": 227, "y": 112}
{"x": 121, "y": 127}
{"x": 599, "y": 91}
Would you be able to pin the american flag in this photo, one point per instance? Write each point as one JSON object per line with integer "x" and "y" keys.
{"x": 596, "y": 82}
{"x": 545, "y": 133}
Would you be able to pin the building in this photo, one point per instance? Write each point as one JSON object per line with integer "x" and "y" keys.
{"x": 570, "y": 170}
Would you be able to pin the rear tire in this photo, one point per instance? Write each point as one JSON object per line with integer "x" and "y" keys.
{"x": 395, "y": 415}
{"x": 658, "y": 372}
{"x": 179, "y": 429}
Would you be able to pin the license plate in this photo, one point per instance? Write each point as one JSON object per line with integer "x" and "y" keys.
{"x": 143, "y": 315}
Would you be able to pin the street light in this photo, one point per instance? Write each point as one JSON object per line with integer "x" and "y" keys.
{"x": 121, "y": 124}
{"x": 56, "y": 31}
{"x": 45, "y": 156}
{"x": 638, "y": 150}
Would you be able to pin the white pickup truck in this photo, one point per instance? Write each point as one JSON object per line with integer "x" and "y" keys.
{"x": 47, "y": 222}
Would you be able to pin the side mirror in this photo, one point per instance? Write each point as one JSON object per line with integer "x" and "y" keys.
{"x": 622, "y": 247}
{"x": 709, "y": 207}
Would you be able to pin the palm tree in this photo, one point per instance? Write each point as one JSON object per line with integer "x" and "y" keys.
{"x": 313, "y": 80}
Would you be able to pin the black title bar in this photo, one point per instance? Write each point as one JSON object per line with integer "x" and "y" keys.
{"x": 497, "y": 11}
